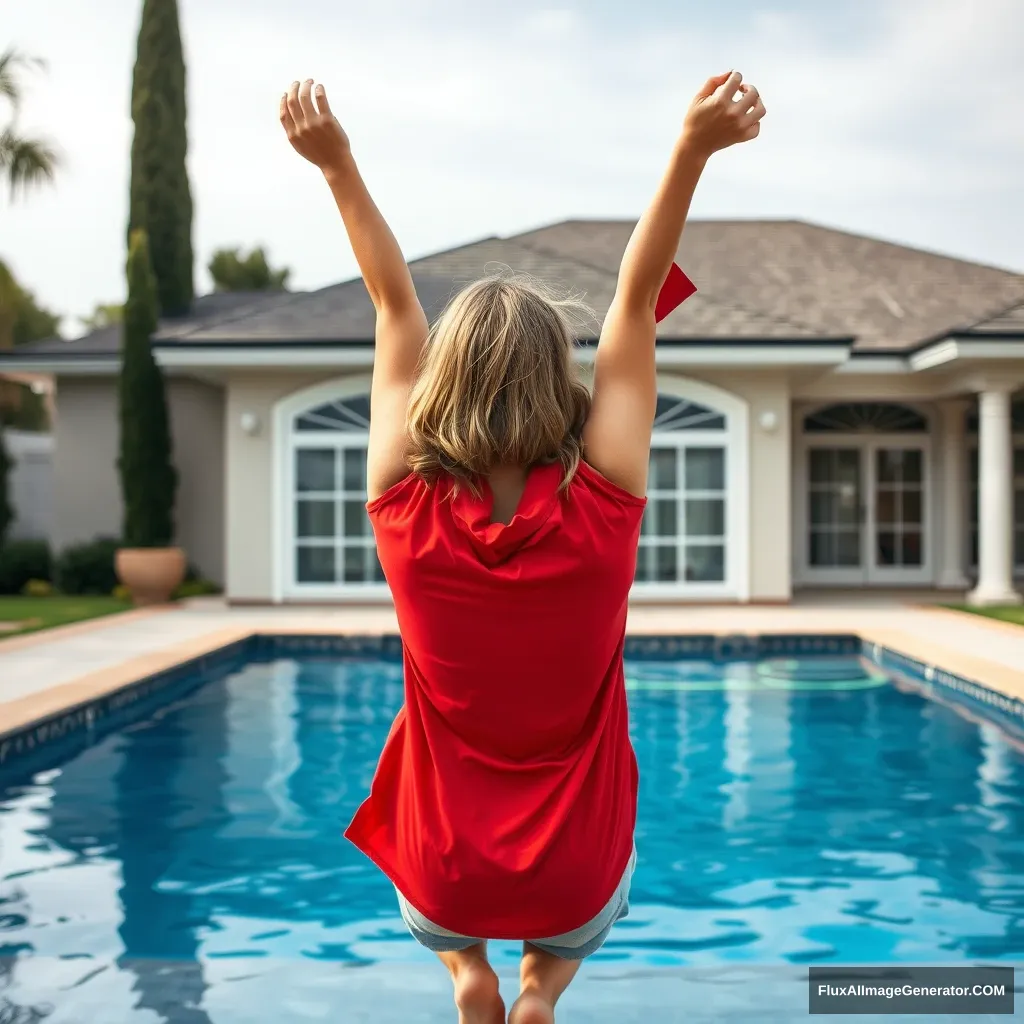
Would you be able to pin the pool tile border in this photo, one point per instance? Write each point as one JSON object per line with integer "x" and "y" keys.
{"x": 80, "y": 713}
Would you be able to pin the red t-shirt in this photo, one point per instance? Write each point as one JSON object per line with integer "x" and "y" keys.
{"x": 504, "y": 802}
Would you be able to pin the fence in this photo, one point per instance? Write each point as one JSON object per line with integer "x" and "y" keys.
{"x": 31, "y": 484}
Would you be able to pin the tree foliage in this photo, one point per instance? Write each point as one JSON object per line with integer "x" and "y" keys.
{"x": 233, "y": 271}
{"x": 160, "y": 199}
{"x": 149, "y": 481}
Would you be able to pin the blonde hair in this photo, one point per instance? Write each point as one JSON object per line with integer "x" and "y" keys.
{"x": 497, "y": 384}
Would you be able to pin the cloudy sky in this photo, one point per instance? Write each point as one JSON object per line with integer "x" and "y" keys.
{"x": 895, "y": 118}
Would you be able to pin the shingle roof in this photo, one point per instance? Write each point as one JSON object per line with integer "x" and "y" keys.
{"x": 206, "y": 309}
{"x": 757, "y": 281}
{"x": 887, "y": 295}
{"x": 1009, "y": 322}
{"x": 344, "y": 312}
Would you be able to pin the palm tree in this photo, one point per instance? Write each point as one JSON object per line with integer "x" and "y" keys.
{"x": 24, "y": 162}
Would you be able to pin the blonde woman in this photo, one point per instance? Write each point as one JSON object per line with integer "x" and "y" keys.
{"x": 506, "y": 505}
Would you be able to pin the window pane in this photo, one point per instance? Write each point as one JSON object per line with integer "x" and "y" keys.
{"x": 354, "y": 469}
{"x": 705, "y": 469}
{"x": 885, "y": 545}
{"x": 912, "y": 510}
{"x": 824, "y": 507}
{"x": 663, "y": 475}
{"x": 315, "y": 469}
{"x": 822, "y": 466}
{"x": 822, "y": 548}
{"x": 354, "y": 564}
{"x": 355, "y": 522}
{"x": 315, "y": 518}
{"x": 848, "y": 548}
{"x": 910, "y": 548}
{"x": 705, "y": 563}
{"x": 665, "y": 517}
{"x": 315, "y": 564}
{"x": 666, "y": 563}
{"x": 886, "y": 502}
{"x": 848, "y": 466}
{"x": 705, "y": 517}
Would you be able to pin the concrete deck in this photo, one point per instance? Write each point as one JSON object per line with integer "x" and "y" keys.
{"x": 44, "y": 673}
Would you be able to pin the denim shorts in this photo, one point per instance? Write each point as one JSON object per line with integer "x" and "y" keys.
{"x": 575, "y": 945}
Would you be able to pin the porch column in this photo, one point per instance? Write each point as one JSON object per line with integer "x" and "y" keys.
{"x": 952, "y": 558}
{"x": 995, "y": 498}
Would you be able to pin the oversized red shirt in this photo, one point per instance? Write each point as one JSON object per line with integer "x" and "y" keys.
{"x": 504, "y": 802}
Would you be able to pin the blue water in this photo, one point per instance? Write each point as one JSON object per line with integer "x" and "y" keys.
{"x": 191, "y": 868}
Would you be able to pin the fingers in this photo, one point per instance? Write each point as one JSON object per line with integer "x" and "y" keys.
{"x": 286, "y": 117}
{"x": 755, "y": 113}
{"x": 306, "y": 101}
{"x": 729, "y": 87}
{"x": 712, "y": 84}
{"x": 752, "y": 132}
{"x": 294, "y": 109}
{"x": 321, "y": 102}
{"x": 748, "y": 97}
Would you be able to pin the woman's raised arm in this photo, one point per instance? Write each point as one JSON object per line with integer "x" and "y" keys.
{"x": 401, "y": 332}
{"x": 617, "y": 436}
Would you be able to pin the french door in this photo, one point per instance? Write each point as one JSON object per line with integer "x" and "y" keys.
{"x": 866, "y": 512}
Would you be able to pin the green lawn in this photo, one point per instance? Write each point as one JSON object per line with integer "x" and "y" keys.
{"x": 1007, "y": 613}
{"x": 28, "y": 614}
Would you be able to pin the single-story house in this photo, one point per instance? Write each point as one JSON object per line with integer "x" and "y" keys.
{"x": 834, "y": 411}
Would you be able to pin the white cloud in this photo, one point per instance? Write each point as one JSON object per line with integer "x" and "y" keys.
{"x": 473, "y": 120}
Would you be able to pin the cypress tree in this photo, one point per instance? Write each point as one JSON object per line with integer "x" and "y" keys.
{"x": 149, "y": 482}
{"x": 160, "y": 200}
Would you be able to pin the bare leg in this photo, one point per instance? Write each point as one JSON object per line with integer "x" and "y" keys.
{"x": 543, "y": 977}
{"x": 476, "y": 986}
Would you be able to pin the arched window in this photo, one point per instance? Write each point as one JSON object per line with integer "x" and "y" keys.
{"x": 865, "y": 417}
{"x": 684, "y": 534}
{"x": 332, "y": 543}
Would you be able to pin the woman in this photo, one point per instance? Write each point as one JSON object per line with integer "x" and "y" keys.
{"x": 506, "y": 506}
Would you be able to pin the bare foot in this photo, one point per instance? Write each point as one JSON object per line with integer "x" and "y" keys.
{"x": 477, "y": 996}
{"x": 531, "y": 1008}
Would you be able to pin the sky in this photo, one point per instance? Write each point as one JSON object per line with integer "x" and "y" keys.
{"x": 899, "y": 119}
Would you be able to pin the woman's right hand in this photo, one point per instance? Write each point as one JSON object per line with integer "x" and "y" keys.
{"x": 717, "y": 120}
{"x": 313, "y": 130}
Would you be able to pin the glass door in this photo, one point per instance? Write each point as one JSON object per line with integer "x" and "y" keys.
{"x": 896, "y": 521}
{"x": 835, "y": 514}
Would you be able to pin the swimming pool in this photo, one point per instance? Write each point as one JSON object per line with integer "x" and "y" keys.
{"x": 191, "y": 869}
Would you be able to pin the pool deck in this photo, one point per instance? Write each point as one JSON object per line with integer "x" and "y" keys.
{"x": 44, "y": 673}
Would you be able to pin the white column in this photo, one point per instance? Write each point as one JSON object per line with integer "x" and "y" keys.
{"x": 952, "y": 557}
{"x": 995, "y": 499}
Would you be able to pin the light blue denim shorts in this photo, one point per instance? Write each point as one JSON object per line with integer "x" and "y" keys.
{"x": 575, "y": 945}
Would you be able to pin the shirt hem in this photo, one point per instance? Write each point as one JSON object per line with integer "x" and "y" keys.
{"x": 499, "y": 935}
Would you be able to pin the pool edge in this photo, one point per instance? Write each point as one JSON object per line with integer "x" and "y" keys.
{"x": 92, "y": 706}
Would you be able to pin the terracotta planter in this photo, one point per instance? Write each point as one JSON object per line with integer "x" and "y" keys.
{"x": 151, "y": 574}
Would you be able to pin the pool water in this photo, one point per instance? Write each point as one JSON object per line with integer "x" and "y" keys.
{"x": 791, "y": 813}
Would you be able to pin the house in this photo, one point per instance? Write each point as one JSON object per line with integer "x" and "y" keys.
{"x": 834, "y": 411}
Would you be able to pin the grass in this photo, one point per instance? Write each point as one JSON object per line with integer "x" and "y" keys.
{"x": 29, "y": 614}
{"x": 1004, "y": 613}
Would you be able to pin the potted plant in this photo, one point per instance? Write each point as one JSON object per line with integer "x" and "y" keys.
{"x": 149, "y": 564}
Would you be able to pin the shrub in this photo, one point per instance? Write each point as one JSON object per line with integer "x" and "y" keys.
{"x": 88, "y": 568}
{"x": 21, "y": 561}
{"x": 37, "y": 588}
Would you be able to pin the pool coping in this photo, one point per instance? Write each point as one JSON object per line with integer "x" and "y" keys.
{"x": 95, "y": 704}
